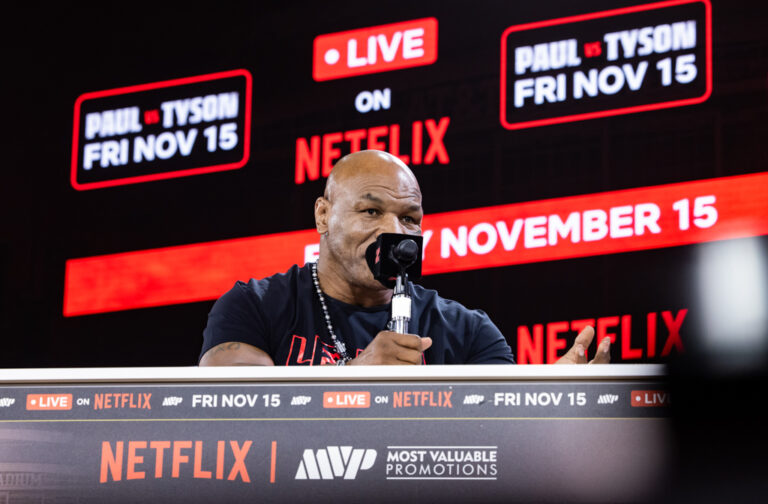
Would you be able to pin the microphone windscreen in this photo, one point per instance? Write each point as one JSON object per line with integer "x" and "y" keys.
{"x": 381, "y": 259}
{"x": 406, "y": 252}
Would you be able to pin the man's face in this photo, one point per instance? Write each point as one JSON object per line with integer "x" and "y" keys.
{"x": 363, "y": 206}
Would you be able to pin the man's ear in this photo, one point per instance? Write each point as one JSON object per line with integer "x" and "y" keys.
{"x": 322, "y": 209}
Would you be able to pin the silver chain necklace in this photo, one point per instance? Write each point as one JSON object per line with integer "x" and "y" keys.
{"x": 340, "y": 347}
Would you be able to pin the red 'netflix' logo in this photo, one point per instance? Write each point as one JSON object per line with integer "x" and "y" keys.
{"x": 375, "y": 49}
{"x": 547, "y": 342}
{"x": 144, "y": 459}
{"x": 316, "y": 156}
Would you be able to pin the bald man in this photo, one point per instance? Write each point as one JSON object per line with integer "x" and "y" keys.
{"x": 335, "y": 312}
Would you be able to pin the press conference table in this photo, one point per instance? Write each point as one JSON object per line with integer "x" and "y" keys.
{"x": 334, "y": 434}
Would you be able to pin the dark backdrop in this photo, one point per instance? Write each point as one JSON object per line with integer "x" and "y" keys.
{"x": 54, "y": 54}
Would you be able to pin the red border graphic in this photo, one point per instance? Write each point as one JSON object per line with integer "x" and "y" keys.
{"x": 611, "y": 112}
{"x": 157, "y": 85}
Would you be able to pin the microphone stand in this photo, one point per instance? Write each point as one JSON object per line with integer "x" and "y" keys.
{"x": 401, "y": 303}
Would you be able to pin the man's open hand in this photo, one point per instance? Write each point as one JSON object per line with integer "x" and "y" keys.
{"x": 392, "y": 348}
{"x": 577, "y": 353}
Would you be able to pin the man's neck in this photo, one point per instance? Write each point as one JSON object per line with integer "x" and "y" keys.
{"x": 334, "y": 285}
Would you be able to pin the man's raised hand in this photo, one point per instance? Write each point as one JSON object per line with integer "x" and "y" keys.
{"x": 577, "y": 353}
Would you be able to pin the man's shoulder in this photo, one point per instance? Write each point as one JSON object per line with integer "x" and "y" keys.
{"x": 279, "y": 282}
{"x": 460, "y": 335}
{"x": 431, "y": 299}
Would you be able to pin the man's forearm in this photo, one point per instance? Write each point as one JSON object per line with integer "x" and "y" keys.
{"x": 236, "y": 353}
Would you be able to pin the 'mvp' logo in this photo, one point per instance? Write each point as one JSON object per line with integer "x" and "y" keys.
{"x": 334, "y": 462}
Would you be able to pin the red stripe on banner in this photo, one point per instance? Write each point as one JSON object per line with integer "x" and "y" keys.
{"x": 610, "y": 222}
{"x": 173, "y": 275}
{"x": 547, "y": 230}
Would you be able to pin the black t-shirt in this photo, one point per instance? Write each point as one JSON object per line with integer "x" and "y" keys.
{"x": 282, "y": 315}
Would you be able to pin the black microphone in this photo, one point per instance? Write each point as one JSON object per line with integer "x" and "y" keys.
{"x": 405, "y": 253}
{"x": 385, "y": 266}
{"x": 393, "y": 258}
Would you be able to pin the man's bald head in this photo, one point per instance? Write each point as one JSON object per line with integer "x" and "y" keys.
{"x": 367, "y": 163}
{"x": 367, "y": 193}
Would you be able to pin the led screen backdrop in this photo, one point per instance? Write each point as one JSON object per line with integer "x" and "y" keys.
{"x": 597, "y": 163}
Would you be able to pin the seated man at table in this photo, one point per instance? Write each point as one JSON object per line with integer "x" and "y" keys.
{"x": 335, "y": 312}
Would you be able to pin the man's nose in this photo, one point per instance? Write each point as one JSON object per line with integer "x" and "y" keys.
{"x": 392, "y": 224}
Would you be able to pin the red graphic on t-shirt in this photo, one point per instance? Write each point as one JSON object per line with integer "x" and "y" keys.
{"x": 301, "y": 350}
{"x": 298, "y": 354}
